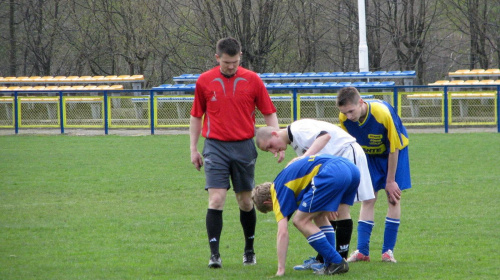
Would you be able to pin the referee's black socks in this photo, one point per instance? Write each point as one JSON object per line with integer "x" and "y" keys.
{"x": 214, "y": 229}
{"x": 248, "y": 222}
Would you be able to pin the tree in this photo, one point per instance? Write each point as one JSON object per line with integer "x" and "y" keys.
{"x": 408, "y": 23}
{"x": 255, "y": 24}
{"x": 41, "y": 27}
{"x": 478, "y": 19}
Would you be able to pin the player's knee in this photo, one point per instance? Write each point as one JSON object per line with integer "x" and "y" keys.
{"x": 369, "y": 203}
{"x": 344, "y": 212}
{"x": 246, "y": 205}
{"x": 216, "y": 201}
{"x": 299, "y": 223}
{"x": 245, "y": 201}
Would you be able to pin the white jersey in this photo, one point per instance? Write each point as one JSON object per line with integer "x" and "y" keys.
{"x": 302, "y": 134}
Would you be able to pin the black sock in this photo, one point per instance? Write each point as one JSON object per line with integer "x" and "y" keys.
{"x": 334, "y": 225}
{"x": 214, "y": 229}
{"x": 320, "y": 259}
{"x": 343, "y": 234}
{"x": 248, "y": 222}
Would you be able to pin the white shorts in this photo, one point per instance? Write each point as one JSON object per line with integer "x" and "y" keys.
{"x": 355, "y": 153}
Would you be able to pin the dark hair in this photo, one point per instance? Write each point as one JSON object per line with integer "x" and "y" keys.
{"x": 347, "y": 95}
{"x": 229, "y": 46}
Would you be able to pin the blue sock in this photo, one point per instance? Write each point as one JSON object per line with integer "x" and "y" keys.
{"x": 364, "y": 234}
{"x": 320, "y": 243}
{"x": 390, "y": 234}
{"x": 329, "y": 233}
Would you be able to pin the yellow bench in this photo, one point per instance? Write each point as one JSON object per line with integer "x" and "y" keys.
{"x": 475, "y": 73}
{"x": 435, "y": 97}
{"x": 52, "y": 88}
{"x": 464, "y": 82}
{"x": 72, "y": 79}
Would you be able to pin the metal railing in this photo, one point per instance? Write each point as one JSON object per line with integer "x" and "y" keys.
{"x": 436, "y": 106}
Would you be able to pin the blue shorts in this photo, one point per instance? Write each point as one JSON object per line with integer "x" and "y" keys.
{"x": 230, "y": 160}
{"x": 337, "y": 182}
{"x": 378, "y": 170}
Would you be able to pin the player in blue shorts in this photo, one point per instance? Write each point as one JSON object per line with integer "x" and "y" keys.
{"x": 309, "y": 137}
{"x": 313, "y": 187}
{"x": 381, "y": 134}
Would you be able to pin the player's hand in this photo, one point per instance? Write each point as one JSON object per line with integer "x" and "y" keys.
{"x": 281, "y": 156}
{"x": 332, "y": 216}
{"x": 393, "y": 192}
{"x": 196, "y": 160}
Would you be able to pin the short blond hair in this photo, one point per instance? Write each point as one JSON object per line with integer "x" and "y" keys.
{"x": 260, "y": 194}
{"x": 263, "y": 134}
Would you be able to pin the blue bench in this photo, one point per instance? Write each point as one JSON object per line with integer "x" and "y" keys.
{"x": 288, "y": 86}
{"x": 407, "y": 75}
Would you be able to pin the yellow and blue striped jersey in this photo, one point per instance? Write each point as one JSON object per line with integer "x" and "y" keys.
{"x": 293, "y": 182}
{"x": 382, "y": 131}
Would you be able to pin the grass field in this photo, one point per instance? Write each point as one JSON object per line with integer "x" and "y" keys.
{"x": 114, "y": 207}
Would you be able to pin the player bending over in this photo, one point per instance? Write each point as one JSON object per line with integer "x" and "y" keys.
{"x": 309, "y": 137}
{"x": 314, "y": 187}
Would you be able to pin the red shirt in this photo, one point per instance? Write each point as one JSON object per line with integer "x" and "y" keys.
{"x": 229, "y": 104}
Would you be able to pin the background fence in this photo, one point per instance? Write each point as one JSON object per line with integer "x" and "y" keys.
{"x": 445, "y": 106}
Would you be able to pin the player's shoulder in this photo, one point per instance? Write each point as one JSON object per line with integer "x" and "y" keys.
{"x": 342, "y": 117}
{"x": 312, "y": 123}
{"x": 303, "y": 127}
{"x": 380, "y": 106}
{"x": 210, "y": 74}
{"x": 243, "y": 72}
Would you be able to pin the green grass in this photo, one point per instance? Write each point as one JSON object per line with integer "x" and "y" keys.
{"x": 114, "y": 207}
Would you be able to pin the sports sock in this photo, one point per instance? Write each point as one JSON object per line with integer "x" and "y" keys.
{"x": 334, "y": 225}
{"x": 329, "y": 233}
{"x": 319, "y": 258}
{"x": 390, "y": 234}
{"x": 343, "y": 233}
{"x": 248, "y": 222}
{"x": 214, "y": 229}
{"x": 320, "y": 243}
{"x": 364, "y": 233}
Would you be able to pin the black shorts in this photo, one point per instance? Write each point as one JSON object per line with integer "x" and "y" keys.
{"x": 230, "y": 160}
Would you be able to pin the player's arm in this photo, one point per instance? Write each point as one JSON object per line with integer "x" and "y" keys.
{"x": 194, "y": 134}
{"x": 391, "y": 186}
{"x": 282, "y": 239}
{"x": 318, "y": 144}
{"x": 272, "y": 120}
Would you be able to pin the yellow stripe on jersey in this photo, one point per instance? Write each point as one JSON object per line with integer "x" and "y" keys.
{"x": 297, "y": 186}
{"x": 382, "y": 114}
{"x": 276, "y": 205}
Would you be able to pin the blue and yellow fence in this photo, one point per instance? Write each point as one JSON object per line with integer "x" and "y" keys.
{"x": 445, "y": 107}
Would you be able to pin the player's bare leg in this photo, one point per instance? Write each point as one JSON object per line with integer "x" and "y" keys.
{"x": 392, "y": 222}
{"x": 365, "y": 226}
{"x": 321, "y": 237}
